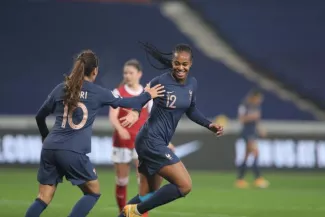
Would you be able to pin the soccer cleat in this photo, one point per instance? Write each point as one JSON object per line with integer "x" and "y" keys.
{"x": 261, "y": 183}
{"x": 131, "y": 211}
{"x": 241, "y": 183}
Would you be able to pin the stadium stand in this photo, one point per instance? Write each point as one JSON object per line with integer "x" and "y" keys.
{"x": 259, "y": 31}
{"x": 39, "y": 40}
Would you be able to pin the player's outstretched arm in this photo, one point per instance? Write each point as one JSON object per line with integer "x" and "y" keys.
{"x": 133, "y": 102}
{"x": 196, "y": 116}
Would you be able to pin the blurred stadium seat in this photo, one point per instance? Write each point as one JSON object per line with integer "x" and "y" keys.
{"x": 284, "y": 38}
{"x": 40, "y": 39}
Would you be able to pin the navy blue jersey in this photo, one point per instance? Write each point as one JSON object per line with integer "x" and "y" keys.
{"x": 166, "y": 112}
{"x": 249, "y": 127}
{"x": 73, "y": 129}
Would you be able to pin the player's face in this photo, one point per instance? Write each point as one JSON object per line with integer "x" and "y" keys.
{"x": 131, "y": 75}
{"x": 182, "y": 63}
{"x": 257, "y": 100}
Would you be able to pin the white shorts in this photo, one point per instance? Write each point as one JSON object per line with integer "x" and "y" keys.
{"x": 124, "y": 155}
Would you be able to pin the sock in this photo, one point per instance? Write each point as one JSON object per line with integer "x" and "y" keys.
{"x": 36, "y": 208}
{"x": 165, "y": 194}
{"x": 120, "y": 194}
{"x": 134, "y": 200}
{"x": 84, "y": 205}
{"x": 256, "y": 169}
{"x": 242, "y": 170}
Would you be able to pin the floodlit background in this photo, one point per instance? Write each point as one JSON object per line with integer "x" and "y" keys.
{"x": 275, "y": 45}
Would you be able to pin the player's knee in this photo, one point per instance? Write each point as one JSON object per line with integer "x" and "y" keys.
{"x": 122, "y": 181}
{"x": 46, "y": 193}
{"x": 91, "y": 187}
{"x": 94, "y": 195}
{"x": 186, "y": 187}
{"x": 255, "y": 152}
{"x": 45, "y": 197}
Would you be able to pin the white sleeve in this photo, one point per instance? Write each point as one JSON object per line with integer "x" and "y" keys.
{"x": 241, "y": 110}
{"x": 116, "y": 92}
{"x": 150, "y": 104}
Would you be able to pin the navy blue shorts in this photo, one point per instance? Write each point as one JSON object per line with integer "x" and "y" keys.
{"x": 153, "y": 156}
{"x": 55, "y": 164}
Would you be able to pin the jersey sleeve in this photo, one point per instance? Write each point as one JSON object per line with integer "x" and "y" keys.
{"x": 110, "y": 98}
{"x": 242, "y": 110}
{"x": 116, "y": 92}
{"x": 154, "y": 82}
{"x": 46, "y": 109}
{"x": 150, "y": 104}
{"x": 193, "y": 113}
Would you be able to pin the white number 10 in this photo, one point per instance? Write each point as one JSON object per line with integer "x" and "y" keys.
{"x": 68, "y": 117}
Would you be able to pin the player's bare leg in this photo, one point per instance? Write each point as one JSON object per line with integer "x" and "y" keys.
{"x": 180, "y": 185}
{"x": 46, "y": 193}
{"x": 44, "y": 198}
{"x": 91, "y": 191}
{"x": 122, "y": 171}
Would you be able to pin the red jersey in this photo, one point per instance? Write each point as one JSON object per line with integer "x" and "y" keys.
{"x": 124, "y": 91}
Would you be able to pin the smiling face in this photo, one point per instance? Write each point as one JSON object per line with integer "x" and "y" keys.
{"x": 182, "y": 63}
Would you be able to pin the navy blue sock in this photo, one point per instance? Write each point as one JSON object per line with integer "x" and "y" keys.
{"x": 242, "y": 170}
{"x": 84, "y": 205}
{"x": 255, "y": 168}
{"x": 165, "y": 194}
{"x": 36, "y": 208}
{"x": 134, "y": 200}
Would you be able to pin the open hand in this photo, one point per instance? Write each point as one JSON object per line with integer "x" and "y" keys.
{"x": 216, "y": 128}
{"x": 171, "y": 147}
{"x": 156, "y": 91}
{"x": 130, "y": 118}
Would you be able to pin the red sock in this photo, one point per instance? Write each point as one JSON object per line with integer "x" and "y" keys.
{"x": 120, "y": 194}
{"x": 146, "y": 214}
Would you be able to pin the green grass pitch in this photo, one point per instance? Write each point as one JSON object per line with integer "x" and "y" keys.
{"x": 213, "y": 195}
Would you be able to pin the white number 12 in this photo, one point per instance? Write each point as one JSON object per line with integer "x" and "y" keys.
{"x": 171, "y": 99}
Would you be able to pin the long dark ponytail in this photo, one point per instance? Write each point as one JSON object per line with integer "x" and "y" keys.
{"x": 165, "y": 59}
{"x": 83, "y": 66}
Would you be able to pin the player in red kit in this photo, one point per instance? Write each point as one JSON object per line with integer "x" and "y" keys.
{"x": 124, "y": 138}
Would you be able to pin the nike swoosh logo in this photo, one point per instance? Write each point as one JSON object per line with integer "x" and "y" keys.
{"x": 187, "y": 148}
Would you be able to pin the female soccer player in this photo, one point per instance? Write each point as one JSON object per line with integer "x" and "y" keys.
{"x": 75, "y": 104}
{"x": 124, "y": 138}
{"x": 155, "y": 159}
{"x": 249, "y": 114}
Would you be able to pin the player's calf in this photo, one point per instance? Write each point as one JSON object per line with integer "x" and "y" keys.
{"x": 45, "y": 196}
{"x": 88, "y": 201}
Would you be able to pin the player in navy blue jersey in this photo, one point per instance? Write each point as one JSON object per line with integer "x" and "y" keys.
{"x": 249, "y": 114}
{"x": 155, "y": 158}
{"x": 75, "y": 103}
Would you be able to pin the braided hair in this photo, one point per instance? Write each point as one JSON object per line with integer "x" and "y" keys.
{"x": 164, "y": 59}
